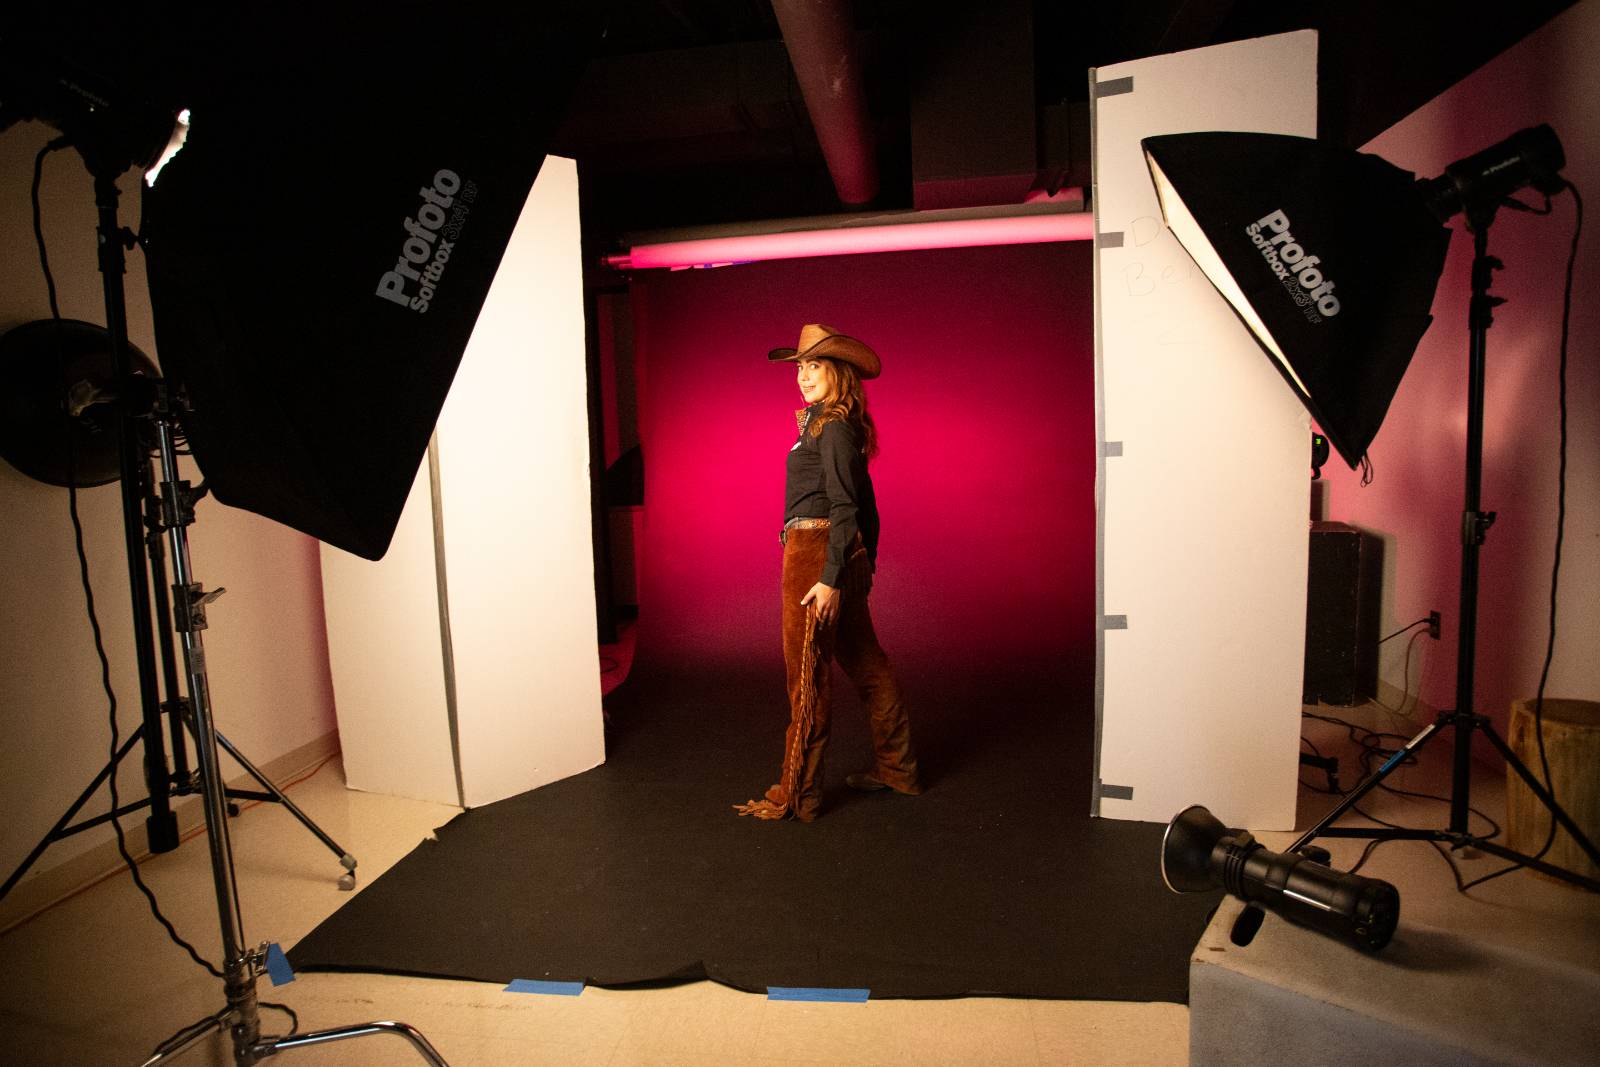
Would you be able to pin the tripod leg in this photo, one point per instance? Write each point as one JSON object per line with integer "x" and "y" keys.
{"x": 271, "y": 1047}
{"x": 58, "y": 831}
{"x": 1365, "y": 787}
{"x": 348, "y": 879}
{"x": 341, "y": 1033}
{"x": 1541, "y": 866}
{"x": 1556, "y": 811}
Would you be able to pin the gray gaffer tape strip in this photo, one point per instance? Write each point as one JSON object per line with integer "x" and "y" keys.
{"x": 1108, "y": 239}
{"x": 1116, "y": 622}
{"x": 1113, "y": 87}
{"x": 1116, "y": 792}
{"x": 1111, "y": 448}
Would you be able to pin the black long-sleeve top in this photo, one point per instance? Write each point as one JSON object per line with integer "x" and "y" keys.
{"x": 827, "y": 479}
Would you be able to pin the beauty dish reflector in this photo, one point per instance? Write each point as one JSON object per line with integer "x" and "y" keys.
{"x": 1330, "y": 258}
{"x": 57, "y": 419}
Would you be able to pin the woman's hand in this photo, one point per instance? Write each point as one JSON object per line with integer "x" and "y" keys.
{"x": 823, "y": 601}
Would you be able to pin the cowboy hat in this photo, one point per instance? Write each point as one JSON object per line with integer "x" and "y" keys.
{"x": 824, "y": 342}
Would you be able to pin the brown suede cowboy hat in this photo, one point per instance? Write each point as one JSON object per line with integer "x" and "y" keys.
{"x": 824, "y": 342}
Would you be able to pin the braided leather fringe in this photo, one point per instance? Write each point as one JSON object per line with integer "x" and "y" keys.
{"x": 792, "y": 759}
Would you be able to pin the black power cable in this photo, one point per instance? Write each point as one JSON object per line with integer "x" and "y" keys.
{"x": 1408, "y": 626}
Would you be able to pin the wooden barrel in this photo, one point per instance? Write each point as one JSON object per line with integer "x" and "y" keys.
{"x": 1572, "y": 745}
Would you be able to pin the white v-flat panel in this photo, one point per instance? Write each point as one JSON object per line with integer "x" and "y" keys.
{"x": 388, "y": 670}
{"x": 512, "y": 506}
{"x": 514, "y": 467}
{"x": 1203, "y": 484}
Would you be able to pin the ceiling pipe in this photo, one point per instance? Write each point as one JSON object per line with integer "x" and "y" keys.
{"x": 820, "y": 37}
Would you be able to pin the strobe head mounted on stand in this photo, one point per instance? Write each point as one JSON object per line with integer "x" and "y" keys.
{"x": 1479, "y": 184}
{"x": 1198, "y": 854}
{"x": 100, "y": 107}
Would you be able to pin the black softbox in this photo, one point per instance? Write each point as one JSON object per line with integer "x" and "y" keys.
{"x": 1329, "y": 256}
{"x": 319, "y": 250}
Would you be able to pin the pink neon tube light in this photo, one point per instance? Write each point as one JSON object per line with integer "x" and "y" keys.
{"x": 895, "y": 237}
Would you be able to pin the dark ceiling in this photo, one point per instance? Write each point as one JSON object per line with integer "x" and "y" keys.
{"x": 692, "y": 115}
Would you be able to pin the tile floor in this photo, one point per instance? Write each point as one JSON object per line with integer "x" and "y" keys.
{"x": 94, "y": 980}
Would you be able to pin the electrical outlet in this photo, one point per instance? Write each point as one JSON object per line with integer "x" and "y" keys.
{"x": 1433, "y": 625}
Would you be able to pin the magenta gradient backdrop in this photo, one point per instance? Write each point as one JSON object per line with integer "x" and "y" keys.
{"x": 985, "y": 482}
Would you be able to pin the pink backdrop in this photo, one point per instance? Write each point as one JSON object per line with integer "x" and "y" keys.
{"x": 986, "y": 479}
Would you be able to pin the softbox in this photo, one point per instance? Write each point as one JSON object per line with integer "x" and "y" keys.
{"x": 1329, "y": 256}
{"x": 319, "y": 249}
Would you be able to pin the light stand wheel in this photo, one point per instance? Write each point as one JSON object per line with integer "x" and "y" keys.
{"x": 347, "y": 880}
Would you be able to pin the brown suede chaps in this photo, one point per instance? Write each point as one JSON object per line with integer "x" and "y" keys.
{"x": 808, "y": 651}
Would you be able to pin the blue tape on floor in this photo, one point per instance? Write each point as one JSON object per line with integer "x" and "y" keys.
{"x": 278, "y": 968}
{"x": 551, "y": 989}
{"x": 840, "y": 996}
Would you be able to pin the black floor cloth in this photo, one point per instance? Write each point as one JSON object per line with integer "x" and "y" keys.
{"x": 995, "y": 881}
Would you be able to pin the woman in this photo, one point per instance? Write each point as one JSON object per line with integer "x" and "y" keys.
{"x": 830, "y": 543}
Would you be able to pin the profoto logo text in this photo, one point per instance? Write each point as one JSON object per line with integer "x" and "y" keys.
{"x": 1297, "y": 271}
{"x": 423, "y": 255}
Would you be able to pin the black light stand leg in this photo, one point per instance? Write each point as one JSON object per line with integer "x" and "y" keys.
{"x": 1324, "y": 827}
{"x": 1556, "y": 811}
{"x": 61, "y": 829}
{"x": 1475, "y": 525}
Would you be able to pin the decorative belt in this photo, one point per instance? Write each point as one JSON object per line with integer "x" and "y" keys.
{"x": 801, "y": 524}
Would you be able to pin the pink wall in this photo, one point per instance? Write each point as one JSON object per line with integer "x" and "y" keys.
{"x": 1417, "y": 500}
{"x": 985, "y": 482}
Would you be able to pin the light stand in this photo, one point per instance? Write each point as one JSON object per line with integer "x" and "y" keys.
{"x": 475, "y": 141}
{"x": 143, "y": 399}
{"x": 241, "y": 967}
{"x": 1230, "y": 199}
{"x": 162, "y": 785}
{"x": 1475, "y": 524}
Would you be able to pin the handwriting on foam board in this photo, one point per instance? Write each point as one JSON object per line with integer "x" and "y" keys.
{"x": 1142, "y": 278}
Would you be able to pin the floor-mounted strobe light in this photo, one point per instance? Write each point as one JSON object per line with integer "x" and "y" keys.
{"x": 1198, "y": 854}
{"x": 1330, "y": 258}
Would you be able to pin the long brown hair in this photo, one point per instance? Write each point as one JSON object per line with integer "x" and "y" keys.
{"x": 846, "y": 402}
